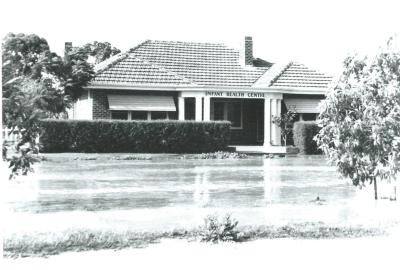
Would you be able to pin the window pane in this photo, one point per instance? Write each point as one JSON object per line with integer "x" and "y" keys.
{"x": 158, "y": 115}
{"x": 139, "y": 115}
{"x": 190, "y": 105}
{"x": 219, "y": 111}
{"x": 119, "y": 115}
{"x": 309, "y": 116}
{"x": 235, "y": 113}
{"x": 172, "y": 115}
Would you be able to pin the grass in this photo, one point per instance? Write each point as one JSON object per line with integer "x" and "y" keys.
{"x": 46, "y": 244}
{"x": 308, "y": 230}
{"x": 134, "y": 156}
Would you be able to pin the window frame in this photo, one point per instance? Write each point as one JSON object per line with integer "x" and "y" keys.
{"x": 168, "y": 115}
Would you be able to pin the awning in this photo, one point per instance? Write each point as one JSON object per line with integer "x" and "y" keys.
{"x": 141, "y": 103}
{"x": 302, "y": 105}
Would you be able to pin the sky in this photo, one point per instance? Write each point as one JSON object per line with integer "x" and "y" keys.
{"x": 319, "y": 34}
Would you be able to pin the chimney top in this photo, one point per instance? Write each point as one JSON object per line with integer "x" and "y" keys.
{"x": 248, "y": 51}
{"x": 67, "y": 49}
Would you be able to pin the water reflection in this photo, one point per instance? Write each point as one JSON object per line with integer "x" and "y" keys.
{"x": 247, "y": 183}
{"x": 201, "y": 194}
{"x": 171, "y": 192}
{"x": 272, "y": 180}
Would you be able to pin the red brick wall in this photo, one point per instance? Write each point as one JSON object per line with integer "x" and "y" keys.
{"x": 100, "y": 105}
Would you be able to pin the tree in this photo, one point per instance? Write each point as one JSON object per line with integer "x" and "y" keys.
{"x": 75, "y": 72}
{"x": 37, "y": 84}
{"x": 100, "y": 50}
{"x": 360, "y": 118}
{"x": 23, "y": 55}
{"x": 285, "y": 122}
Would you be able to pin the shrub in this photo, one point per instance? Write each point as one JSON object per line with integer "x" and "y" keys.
{"x": 303, "y": 137}
{"x": 113, "y": 136}
{"x": 216, "y": 155}
{"x": 215, "y": 231}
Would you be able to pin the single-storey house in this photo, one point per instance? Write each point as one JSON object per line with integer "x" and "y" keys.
{"x": 203, "y": 82}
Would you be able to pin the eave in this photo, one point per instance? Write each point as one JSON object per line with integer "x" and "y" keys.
{"x": 196, "y": 88}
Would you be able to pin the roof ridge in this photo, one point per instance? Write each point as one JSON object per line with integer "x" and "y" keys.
{"x": 312, "y": 69}
{"x": 280, "y": 73}
{"x": 139, "y": 45}
{"x": 272, "y": 74}
{"x": 166, "y": 70}
{"x": 106, "y": 64}
{"x": 189, "y": 42}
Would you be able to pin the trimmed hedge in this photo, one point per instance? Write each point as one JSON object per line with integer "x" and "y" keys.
{"x": 303, "y": 134}
{"x": 119, "y": 136}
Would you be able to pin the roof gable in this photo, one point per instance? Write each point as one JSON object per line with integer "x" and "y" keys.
{"x": 296, "y": 75}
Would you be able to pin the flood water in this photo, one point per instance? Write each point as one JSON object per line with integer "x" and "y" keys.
{"x": 168, "y": 192}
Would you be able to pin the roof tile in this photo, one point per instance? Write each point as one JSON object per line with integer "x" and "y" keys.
{"x": 297, "y": 75}
{"x": 178, "y": 63}
{"x": 200, "y": 64}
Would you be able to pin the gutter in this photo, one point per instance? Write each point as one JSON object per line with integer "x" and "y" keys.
{"x": 196, "y": 88}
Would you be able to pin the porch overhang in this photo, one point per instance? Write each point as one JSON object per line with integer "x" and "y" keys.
{"x": 303, "y": 105}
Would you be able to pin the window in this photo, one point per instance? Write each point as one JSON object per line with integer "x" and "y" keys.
{"x": 158, "y": 115}
{"x": 143, "y": 115}
{"x": 190, "y": 105}
{"x": 219, "y": 109}
{"x": 119, "y": 115}
{"x": 139, "y": 115}
{"x": 309, "y": 116}
{"x": 172, "y": 116}
{"x": 234, "y": 111}
{"x": 229, "y": 111}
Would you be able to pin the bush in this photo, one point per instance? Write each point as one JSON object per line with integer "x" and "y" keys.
{"x": 113, "y": 136}
{"x": 303, "y": 137}
{"x": 216, "y": 155}
{"x": 215, "y": 231}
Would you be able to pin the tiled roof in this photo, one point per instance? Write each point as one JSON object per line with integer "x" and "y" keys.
{"x": 175, "y": 63}
{"x": 132, "y": 70}
{"x": 271, "y": 75}
{"x": 168, "y": 63}
{"x": 296, "y": 75}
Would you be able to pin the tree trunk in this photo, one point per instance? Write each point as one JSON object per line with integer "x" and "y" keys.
{"x": 375, "y": 189}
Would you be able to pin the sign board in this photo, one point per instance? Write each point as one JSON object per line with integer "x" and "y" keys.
{"x": 229, "y": 94}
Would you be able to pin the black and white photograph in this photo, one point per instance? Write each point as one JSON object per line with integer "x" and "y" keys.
{"x": 207, "y": 134}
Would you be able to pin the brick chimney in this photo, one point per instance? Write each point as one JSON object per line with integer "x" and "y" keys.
{"x": 248, "y": 51}
{"x": 67, "y": 49}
